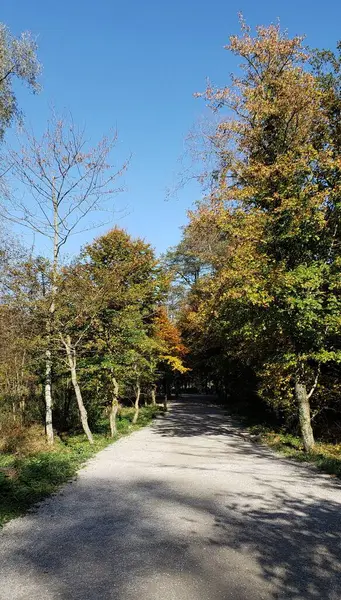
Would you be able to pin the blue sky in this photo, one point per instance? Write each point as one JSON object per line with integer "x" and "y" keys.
{"x": 135, "y": 65}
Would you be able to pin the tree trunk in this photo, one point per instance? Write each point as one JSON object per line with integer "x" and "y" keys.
{"x": 153, "y": 394}
{"x": 66, "y": 404}
{"x": 48, "y": 398}
{"x": 48, "y": 354}
{"x": 304, "y": 416}
{"x": 167, "y": 394}
{"x": 48, "y": 373}
{"x": 114, "y": 408}
{"x": 71, "y": 355}
{"x": 137, "y": 404}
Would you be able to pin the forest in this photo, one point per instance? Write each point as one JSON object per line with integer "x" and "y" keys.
{"x": 247, "y": 306}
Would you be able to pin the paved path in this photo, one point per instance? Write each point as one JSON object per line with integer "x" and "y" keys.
{"x": 184, "y": 510}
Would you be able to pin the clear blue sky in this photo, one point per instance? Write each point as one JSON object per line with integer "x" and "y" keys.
{"x": 135, "y": 64}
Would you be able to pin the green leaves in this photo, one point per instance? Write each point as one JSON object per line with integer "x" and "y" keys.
{"x": 269, "y": 297}
{"x": 18, "y": 60}
{"x": 124, "y": 276}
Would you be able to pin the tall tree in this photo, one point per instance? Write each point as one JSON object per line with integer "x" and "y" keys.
{"x": 133, "y": 285}
{"x": 66, "y": 181}
{"x": 272, "y": 294}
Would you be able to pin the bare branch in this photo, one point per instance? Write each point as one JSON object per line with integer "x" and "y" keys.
{"x": 315, "y": 381}
{"x": 65, "y": 179}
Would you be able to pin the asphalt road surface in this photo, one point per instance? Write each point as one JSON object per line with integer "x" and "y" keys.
{"x": 187, "y": 509}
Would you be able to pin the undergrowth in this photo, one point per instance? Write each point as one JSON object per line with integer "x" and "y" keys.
{"x": 35, "y": 471}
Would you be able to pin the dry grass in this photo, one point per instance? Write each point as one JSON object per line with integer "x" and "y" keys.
{"x": 20, "y": 440}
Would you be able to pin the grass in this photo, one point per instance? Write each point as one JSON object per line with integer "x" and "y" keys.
{"x": 326, "y": 457}
{"x": 28, "y": 476}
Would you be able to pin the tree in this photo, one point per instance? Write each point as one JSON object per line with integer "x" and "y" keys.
{"x": 171, "y": 350}
{"x": 79, "y": 304}
{"x": 126, "y": 272}
{"x": 66, "y": 181}
{"x": 18, "y": 61}
{"x": 271, "y": 298}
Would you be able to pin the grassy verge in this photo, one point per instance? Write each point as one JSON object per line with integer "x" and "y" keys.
{"x": 264, "y": 430}
{"x": 28, "y": 477}
{"x": 326, "y": 457}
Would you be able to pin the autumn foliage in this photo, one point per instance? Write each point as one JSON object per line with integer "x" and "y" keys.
{"x": 267, "y": 305}
{"x": 168, "y": 335}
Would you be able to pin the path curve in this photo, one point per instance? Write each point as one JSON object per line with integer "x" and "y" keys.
{"x": 186, "y": 509}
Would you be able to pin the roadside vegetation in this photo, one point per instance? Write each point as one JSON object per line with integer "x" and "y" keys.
{"x": 326, "y": 457}
{"x": 265, "y": 428}
{"x": 36, "y": 470}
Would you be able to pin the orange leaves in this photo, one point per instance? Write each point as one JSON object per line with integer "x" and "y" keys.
{"x": 168, "y": 333}
{"x": 273, "y": 111}
{"x": 169, "y": 338}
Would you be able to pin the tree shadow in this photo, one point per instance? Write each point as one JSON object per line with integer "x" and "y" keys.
{"x": 192, "y": 519}
{"x": 150, "y": 540}
{"x": 195, "y": 416}
{"x": 297, "y": 543}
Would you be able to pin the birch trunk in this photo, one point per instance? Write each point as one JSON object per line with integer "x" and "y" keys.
{"x": 71, "y": 355}
{"x": 153, "y": 394}
{"x": 48, "y": 375}
{"x": 304, "y": 416}
{"x": 48, "y": 398}
{"x": 137, "y": 404}
{"x": 114, "y": 408}
{"x": 48, "y": 354}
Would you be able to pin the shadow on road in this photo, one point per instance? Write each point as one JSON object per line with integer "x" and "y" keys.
{"x": 297, "y": 547}
{"x": 152, "y": 538}
{"x": 195, "y": 416}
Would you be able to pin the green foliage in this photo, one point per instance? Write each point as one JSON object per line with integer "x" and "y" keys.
{"x": 268, "y": 294}
{"x": 108, "y": 308}
{"x": 18, "y": 59}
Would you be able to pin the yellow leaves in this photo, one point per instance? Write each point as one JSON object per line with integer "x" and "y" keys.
{"x": 175, "y": 363}
{"x": 269, "y": 46}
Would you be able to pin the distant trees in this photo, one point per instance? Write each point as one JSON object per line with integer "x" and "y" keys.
{"x": 111, "y": 340}
{"x": 270, "y": 298}
{"x": 20, "y": 293}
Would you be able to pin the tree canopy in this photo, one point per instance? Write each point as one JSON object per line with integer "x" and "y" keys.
{"x": 270, "y": 300}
